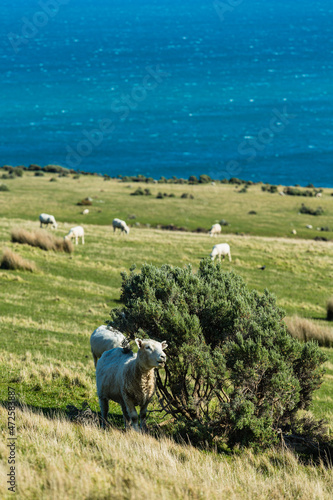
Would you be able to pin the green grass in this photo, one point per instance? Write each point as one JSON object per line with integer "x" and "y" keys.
{"x": 47, "y": 317}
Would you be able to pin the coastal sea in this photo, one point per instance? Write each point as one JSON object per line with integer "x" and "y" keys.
{"x": 162, "y": 88}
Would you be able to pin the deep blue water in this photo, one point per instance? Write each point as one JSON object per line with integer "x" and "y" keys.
{"x": 230, "y": 88}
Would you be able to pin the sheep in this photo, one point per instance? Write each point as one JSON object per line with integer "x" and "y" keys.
{"x": 318, "y": 195}
{"x": 220, "y": 249}
{"x": 75, "y": 232}
{"x": 308, "y": 226}
{"x": 215, "y": 229}
{"x": 47, "y": 219}
{"x": 120, "y": 224}
{"x": 103, "y": 339}
{"x": 294, "y": 231}
{"x": 85, "y": 211}
{"x": 129, "y": 379}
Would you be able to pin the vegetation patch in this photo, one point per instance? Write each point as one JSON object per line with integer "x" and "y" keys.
{"x": 304, "y": 329}
{"x": 41, "y": 239}
{"x": 233, "y": 372}
{"x": 13, "y": 261}
{"x": 311, "y": 211}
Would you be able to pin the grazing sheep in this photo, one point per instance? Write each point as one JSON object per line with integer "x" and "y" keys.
{"x": 47, "y": 219}
{"x": 318, "y": 195}
{"x": 220, "y": 249}
{"x": 85, "y": 211}
{"x": 120, "y": 224}
{"x": 294, "y": 231}
{"x": 309, "y": 226}
{"x": 281, "y": 193}
{"x": 76, "y": 232}
{"x": 103, "y": 339}
{"x": 215, "y": 229}
{"x": 129, "y": 379}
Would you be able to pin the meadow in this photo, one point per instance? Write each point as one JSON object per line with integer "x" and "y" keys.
{"x": 48, "y": 315}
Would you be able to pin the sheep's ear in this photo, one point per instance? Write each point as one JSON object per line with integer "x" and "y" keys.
{"x": 138, "y": 343}
{"x": 164, "y": 344}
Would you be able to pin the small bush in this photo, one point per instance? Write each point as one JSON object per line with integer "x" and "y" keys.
{"x": 252, "y": 212}
{"x": 223, "y": 222}
{"x": 141, "y": 192}
{"x": 53, "y": 179}
{"x": 193, "y": 179}
{"x": 41, "y": 239}
{"x": 84, "y": 202}
{"x": 39, "y": 173}
{"x": 12, "y": 261}
{"x": 34, "y": 167}
{"x": 187, "y": 195}
{"x": 76, "y": 176}
{"x": 233, "y": 372}
{"x": 3, "y": 187}
{"x": 204, "y": 179}
{"x": 329, "y": 309}
{"x": 311, "y": 211}
{"x": 304, "y": 330}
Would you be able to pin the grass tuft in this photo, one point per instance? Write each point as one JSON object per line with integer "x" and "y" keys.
{"x": 304, "y": 330}
{"x": 12, "y": 261}
{"x": 41, "y": 239}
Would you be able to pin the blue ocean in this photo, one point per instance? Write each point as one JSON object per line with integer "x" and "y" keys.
{"x": 230, "y": 88}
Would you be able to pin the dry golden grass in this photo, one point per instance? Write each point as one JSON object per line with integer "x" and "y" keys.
{"x": 329, "y": 309}
{"x": 60, "y": 459}
{"x": 12, "y": 261}
{"x": 41, "y": 239}
{"x": 304, "y": 330}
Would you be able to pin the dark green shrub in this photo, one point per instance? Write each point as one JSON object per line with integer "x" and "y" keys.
{"x": 3, "y": 187}
{"x": 329, "y": 309}
{"x": 204, "y": 179}
{"x": 192, "y": 179}
{"x": 311, "y": 211}
{"x": 39, "y": 173}
{"x": 223, "y": 222}
{"x": 34, "y": 167}
{"x": 233, "y": 372}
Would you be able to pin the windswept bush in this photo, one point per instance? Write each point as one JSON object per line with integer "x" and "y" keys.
{"x": 311, "y": 211}
{"x": 141, "y": 192}
{"x": 233, "y": 371}
{"x": 12, "y": 261}
{"x": 3, "y": 187}
{"x": 41, "y": 239}
{"x": 329, "y": 309}
{"x": 304, "y": 330}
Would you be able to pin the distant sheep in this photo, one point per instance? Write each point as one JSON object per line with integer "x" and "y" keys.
{"x": 103, "y": 339}
{"x": 215, "y": 229}
{"x": 129, "y": 379}
{"x": 309, "y": 226}
{"x": 318, "y": 195}
{"x": 85, "y": 211}
{"x": 120, "y": 224}
{"x": 76, "y": 232}
{"x": 222, "y": 249}
{"x": 294, "y": 231}
{"x": 47, "y": 219}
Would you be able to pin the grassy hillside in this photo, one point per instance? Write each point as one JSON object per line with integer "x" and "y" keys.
{"x": 46, "y": 318}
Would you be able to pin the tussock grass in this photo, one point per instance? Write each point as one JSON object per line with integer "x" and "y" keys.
{"x": 329, "y": 309}
{"x": 13, "y": 261}
{"x": 59, "y": 459}
{"x": 304, "y": 330}
{"x": 41, "y": 239}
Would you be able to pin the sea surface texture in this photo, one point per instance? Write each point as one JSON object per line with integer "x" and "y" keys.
{"x": 230, "y": 88}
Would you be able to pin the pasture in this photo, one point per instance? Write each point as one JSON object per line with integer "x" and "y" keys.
{"x": 48, "y": 315}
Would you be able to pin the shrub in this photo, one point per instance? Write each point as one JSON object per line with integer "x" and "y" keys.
{"x": 41, "y": 239}
{"x": 84, "y": 202}
{"x": 12, "y": 261}
{"x": 34, "y": 167}
{"x": 304, "y": 330}
{"x": 204, "y": 179}
{"x": 187, "y": 195}
{"x": 193, "y": 179}
{"x": 252, "y": 212}
{"x": 53, "y": 179}
{"x": 141, "y": 192}
{"x": 311, "y": 211}
{"x": 232, "y": 371}
{"x": 55, "y": 169}
{"x": 39, "y": 173}
{"x": 223, "y": 222}
{"x": 329, "y": 309}
{"x": 3, "y": 187}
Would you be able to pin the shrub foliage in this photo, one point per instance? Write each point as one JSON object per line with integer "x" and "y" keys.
{"x": 233, "y": 370}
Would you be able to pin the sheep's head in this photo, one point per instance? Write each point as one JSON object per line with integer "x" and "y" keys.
{"x": 151, "y": 353}
{"x": 127, "y": 230}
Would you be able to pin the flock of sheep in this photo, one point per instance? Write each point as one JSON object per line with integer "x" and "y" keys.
{"x": 123, "y": 376}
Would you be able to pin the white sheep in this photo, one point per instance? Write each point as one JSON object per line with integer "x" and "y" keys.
{"x": 129, "y": 379}
{"x": 318, "y": 195}
{"x": 103, "y": 339}
{"x": 75, "y": 232}
{"x": 47, "y": 219}
{"x": 309, "y": 226}
{"x": 221, "y": 249}
{"x": 120, "y": 224}
{"x": 85, "y": 211}
{"x": 215, "y": 229}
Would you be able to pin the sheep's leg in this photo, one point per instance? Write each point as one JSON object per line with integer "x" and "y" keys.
{"x": 143, "y": 416}
{"x": 127, "y": 420}
{"x": 82, "y": 240}
{"x": 104, "y": 405}
{"x": 95, "y": 359}
{"x": 132, "y": 413}
{"x": 229, "y": 257}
